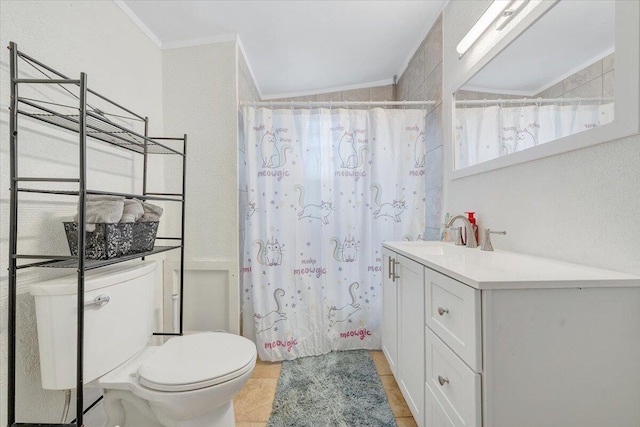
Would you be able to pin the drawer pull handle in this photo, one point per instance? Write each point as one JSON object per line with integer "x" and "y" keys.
{"x": 442, "y": 311}
{"x": 390, "y": 268}
{"x": 443, "y": 380}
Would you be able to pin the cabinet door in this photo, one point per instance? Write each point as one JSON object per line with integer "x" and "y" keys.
{"x": 389, "y": 311}
{"x": 411, "y": 335}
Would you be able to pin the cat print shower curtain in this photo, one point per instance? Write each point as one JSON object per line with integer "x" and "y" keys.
{"x": 488, "y": 132}
{"x": 321, "y": 190}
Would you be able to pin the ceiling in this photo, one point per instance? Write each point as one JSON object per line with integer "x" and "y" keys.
{"x": 298, "y": 47}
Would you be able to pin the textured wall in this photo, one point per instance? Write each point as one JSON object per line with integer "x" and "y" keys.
{"x": 200, "y": 86}
{"x": 199, "y": 95}
{"x": 579, "y": 206}
{"x": 121, "y": 63}
{"x": 422, "y": 80}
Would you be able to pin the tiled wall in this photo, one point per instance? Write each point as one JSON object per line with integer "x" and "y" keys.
{"x": 422, "y": 80}
{"x": 594, "y": 81}
{"x": 379, "y": 93}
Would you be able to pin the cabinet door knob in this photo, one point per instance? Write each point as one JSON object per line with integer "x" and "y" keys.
{"x": 443, "y": 380}
{"x": 442, "y": 311}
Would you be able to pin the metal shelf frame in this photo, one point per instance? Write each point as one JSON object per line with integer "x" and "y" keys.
{"x": 89, "y": 123}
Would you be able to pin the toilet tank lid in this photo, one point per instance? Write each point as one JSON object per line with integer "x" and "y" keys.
{"x": 94, "y": 279}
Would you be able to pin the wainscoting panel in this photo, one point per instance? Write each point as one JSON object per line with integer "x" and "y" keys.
{"x": 211, "y": 295}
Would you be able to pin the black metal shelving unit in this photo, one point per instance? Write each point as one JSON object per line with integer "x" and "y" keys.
{"x": 89, "y": 123}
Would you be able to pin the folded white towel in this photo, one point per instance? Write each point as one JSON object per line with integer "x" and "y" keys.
{"x": 151, "y": 212}
{"x": 100, "y": 208}
{"x": 133, "y": 210}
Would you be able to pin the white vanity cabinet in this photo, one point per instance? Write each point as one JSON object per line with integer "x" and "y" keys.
{"x": 518, "y": 341}
{"x": 403, "y": 327}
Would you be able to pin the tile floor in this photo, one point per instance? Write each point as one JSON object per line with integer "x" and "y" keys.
{"x": 253, "y": 404}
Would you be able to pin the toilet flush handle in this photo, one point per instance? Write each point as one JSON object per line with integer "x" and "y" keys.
{"x": 99, "y": 301}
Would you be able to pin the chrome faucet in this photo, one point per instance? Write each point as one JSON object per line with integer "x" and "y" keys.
{"x": 486, "y": 239}
{"x": 471, "y": 235}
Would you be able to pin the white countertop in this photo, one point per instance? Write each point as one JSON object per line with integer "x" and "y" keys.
{"x": 507, "y": 270}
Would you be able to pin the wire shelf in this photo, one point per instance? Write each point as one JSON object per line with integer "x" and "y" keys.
{"x": 90, "y": 264}
{"x": 98, "y": 127}
{"x": 55, "y": 99}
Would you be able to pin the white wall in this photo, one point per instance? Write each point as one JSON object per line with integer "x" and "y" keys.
{"x": 200, "y": 98}
{"x": 580, "y": 206}
{"x": 122, "y": 63}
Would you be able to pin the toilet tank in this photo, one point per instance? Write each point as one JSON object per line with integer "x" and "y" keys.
{"x": 113, "y": 332}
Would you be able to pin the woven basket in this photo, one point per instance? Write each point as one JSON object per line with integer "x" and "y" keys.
{"x": 113, "y": 240}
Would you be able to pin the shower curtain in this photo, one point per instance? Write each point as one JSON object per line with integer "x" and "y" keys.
{"x": 322, "y": 189}
{"x": 489, "y": 132}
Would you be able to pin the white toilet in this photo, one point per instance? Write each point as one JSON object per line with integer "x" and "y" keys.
{"x": 190, "y": 381}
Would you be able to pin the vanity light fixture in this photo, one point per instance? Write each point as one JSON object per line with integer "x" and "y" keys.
{"x": 502, "y": 10}
{"x": 508, "y": 14}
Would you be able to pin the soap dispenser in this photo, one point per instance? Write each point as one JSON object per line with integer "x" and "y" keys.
{"x": 472, "y": 220}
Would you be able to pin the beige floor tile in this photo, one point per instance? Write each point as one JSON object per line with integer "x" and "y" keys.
{"x": 394, "y": 396}
{"x": 266, "y": 369}
{"x": 406, "y": 422}
{"x": 253, "y": 403}
{"x": 381, "y": 362}
{"x": 388, "y": 381}
{"x": 251, "y": 424}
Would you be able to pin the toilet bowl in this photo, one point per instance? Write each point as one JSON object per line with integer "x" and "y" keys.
{"x": 189, "y": 381}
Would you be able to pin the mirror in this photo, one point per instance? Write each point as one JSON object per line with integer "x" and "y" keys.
{"x": 556, "y": 79}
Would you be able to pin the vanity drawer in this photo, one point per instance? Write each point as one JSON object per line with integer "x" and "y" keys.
{"x": 453, "y": 313}
{"x": 435, "y": 415}
{"x": 452, "y": 382}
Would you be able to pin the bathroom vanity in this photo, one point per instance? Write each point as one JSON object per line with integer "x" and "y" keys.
{"x": 499, "y": 339}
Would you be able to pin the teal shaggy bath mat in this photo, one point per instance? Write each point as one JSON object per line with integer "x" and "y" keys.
{"x": 339, "y": 389}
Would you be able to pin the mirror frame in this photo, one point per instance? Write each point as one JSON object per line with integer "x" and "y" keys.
{"x": 627, "y": 89}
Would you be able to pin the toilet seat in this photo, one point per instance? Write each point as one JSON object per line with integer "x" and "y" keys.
{"x": 197, "y": 361}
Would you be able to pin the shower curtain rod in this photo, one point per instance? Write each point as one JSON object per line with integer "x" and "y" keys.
{"x": 331, "y": 103}
{"x": 531, "y": 101}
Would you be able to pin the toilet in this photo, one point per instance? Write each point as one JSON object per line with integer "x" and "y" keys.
{"x": 189, "y": 381}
